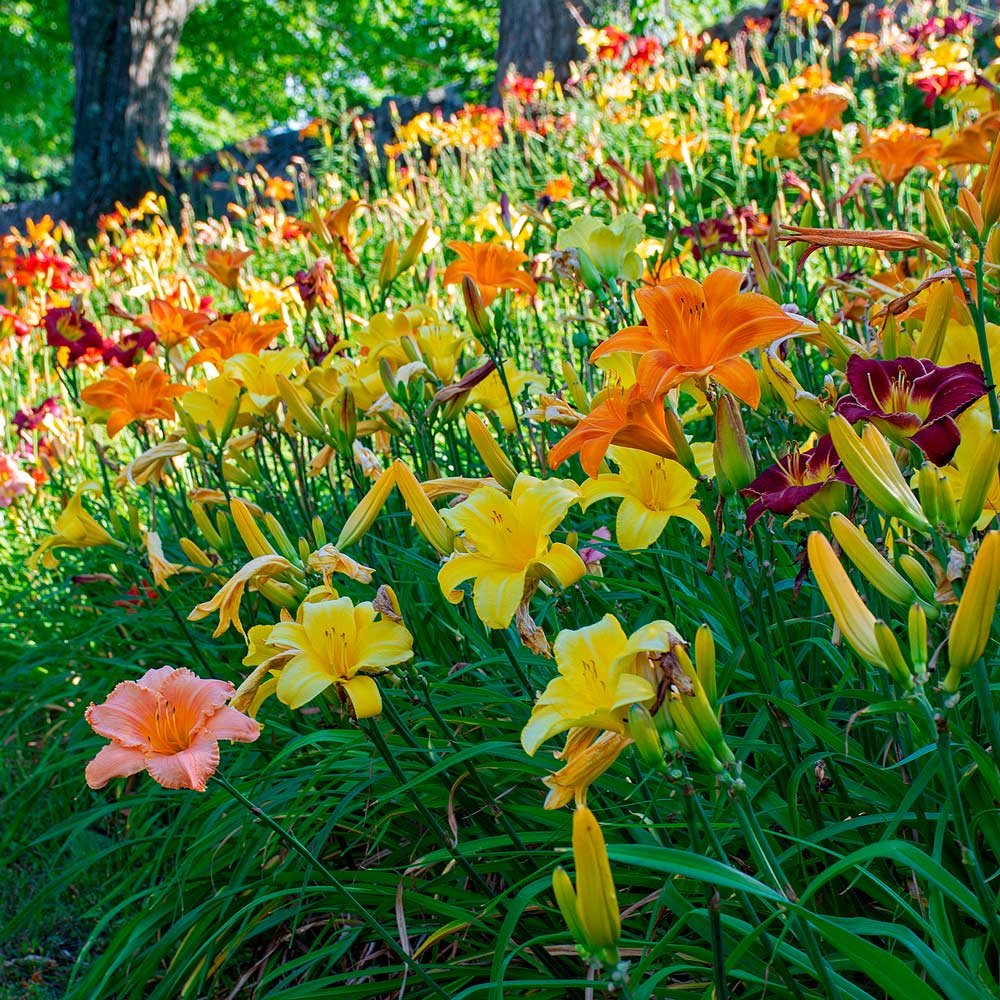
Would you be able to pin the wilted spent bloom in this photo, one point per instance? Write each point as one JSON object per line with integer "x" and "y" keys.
{"x": 813, "y": 479}
{"x": 168, "y": 723}
{"x": 913, "y": 399}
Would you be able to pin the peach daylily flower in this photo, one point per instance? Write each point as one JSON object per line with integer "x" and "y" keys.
{"x": 699, "y": 331}
{"x": 491, "y": 266}
{"x": 168, "y": 723}
{"x": 130, "y": 394}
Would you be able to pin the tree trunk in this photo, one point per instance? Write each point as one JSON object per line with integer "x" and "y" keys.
{"x": 536, "y": 33}
{"x": 123, "y": 51}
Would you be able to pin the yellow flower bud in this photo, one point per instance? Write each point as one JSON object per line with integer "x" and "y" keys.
{"x": 704, "y": 660}
{"x": 253, "y": 538}
{"x": 425, "y": 515}
{"x": 642, "y": 729}
{"x": 936, "y": 319}
{"x": 917, "y": 631}
{"x": 596, "y": 898}
{"x": 977, "y": 486}
{"x": 936, "y": 213}
{"x": 299, "y": 407}
{"x": 892, "y": 655}
{"x": 872, "y": 465}
{"x": 494, "y": 459}
{"x": 973, "y": 622}
{"x": 990, "y": 195}
{"x": 872, "y": 564}
{"x": 363, "y": 516}
{"x": 389, "y": 267}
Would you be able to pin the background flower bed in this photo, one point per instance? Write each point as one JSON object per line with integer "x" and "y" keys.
{"x": 433, "y": 814}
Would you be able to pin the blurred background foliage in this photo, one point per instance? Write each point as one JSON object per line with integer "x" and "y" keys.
{"x": 247, "y": 65}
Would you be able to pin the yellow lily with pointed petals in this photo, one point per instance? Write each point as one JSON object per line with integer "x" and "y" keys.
{"x": 508, "y": 545}
{"x": 653, "y": 490}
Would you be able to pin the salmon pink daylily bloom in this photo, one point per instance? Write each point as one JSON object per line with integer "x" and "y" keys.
{"x": 913, "y": 399}
{"x": 700, "y": 331}
{"x": 168, "y": 723}
{"x": 507, "y": 545}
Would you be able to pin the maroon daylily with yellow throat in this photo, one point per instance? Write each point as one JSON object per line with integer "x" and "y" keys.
{"x": 913, "y": 399}
{"x": 813, "y": 480}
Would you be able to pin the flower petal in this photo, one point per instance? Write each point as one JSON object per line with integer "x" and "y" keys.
{"x": 114, "y": 761}
{"x": 126, "y": 715}
{"x": 364, "y": 695}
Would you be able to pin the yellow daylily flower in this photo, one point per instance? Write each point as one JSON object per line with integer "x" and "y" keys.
{"x": 338, "y": 642}
{"x": 74, "y": 529}
{"x": 653, "y": 489}
{"x": 595, "y": 687}
{"x": 214, "y": 405}
{"x": 258, "y": 374}
{"x": 510, "y": 545}
{"x": 161, "y": 567}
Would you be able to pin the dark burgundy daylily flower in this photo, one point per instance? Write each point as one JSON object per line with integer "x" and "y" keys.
{"x": 126, "y": 351}
{"x": 813, "y": 480}
{"x": 914, "y": 399}
{"x": 67, "y": 327}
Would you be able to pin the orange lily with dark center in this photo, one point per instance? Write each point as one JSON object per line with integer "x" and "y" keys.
{"x": 699, "y": 331}
{"x": 626, "y": 419}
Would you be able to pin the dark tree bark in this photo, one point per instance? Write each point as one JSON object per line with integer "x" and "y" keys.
{"x": 123, "y": 51}
{"x": 536, "y": 33}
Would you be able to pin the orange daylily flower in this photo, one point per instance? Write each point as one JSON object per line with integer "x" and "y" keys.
{"x": 239, "y": 334}
{"x": 173, "y": 325}
{"x": 143, "y": 393}
{"x": 559, "y": 188}
{"x": 898, "y": 149}
{"x": 812, "y": 113}
{"x": 973, "y": 143}
{"x": 224, "y": 265}
{"x": 491, "y": 266}
{"x": 168, "y": 723}
{"x": 699, "y": 331}
{"x": 626, "y": 419}
{"x": 279, "y": 189}
{"x": 334, "y": 228}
